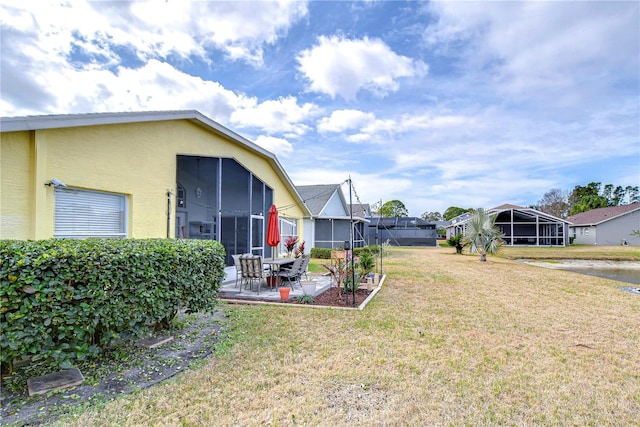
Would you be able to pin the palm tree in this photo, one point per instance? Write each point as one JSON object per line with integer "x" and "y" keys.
{"x": 482, "y": 234}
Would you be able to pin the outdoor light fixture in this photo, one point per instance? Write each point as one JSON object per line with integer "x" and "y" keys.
{"x": 55, "y": 182}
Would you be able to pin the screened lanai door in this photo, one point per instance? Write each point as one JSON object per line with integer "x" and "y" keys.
{"x": 257, "y": 234}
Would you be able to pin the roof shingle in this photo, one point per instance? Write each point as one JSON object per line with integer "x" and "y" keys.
{"x": 596, "y": 216}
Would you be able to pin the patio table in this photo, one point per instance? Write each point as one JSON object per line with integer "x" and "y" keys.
{"x": 276, "y": 264}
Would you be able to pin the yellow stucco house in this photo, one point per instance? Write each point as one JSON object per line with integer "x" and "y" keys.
{"x": 175, "y": 174}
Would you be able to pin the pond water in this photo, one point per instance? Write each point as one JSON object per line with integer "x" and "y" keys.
{"x": 621, "y": 271}
{"x": 619, "y": 274}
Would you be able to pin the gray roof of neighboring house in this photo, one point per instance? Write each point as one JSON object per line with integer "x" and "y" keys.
{"x": 57, "y": 121}
{"x": 597, "y": 216}
{"x": 316, "y": 197}
{"x": 362, "y": 210}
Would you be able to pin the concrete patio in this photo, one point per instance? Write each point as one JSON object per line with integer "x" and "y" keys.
{"x": 231, "y": 290}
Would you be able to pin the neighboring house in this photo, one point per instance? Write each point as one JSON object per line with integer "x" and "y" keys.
{"x": 330, "y": 222}
{"x": 139, "y": 175}
{"x": 607, "y": 226}
{"x": 457, "y": 225}
{"x": 402, "y": 231}
{"x": 521, "y": 226}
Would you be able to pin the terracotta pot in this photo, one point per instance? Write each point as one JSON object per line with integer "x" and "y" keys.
{"x": 284, "y": 293}
{"x": 272, "y": 281}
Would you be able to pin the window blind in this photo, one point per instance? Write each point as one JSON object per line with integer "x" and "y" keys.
{"x": 83, "y": 213}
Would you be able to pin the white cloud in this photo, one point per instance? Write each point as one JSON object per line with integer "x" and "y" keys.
{"x": 282, "y": 115}
{"x": 278, "y": 146}
{"x": 542, "y": 48}
{"x": 155, "y": 86}
{"x": 367, "y": 128}
{"x": 342, "y": 120}
{"x": 339, "y": 66}
{"x": 73, "y": 53}
{"x": 240, "y": 29}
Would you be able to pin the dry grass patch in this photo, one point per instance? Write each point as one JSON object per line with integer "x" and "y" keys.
{"x": 448, "y": 341}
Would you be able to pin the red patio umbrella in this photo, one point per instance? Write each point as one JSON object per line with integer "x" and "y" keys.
{"x": 273, "y": 231}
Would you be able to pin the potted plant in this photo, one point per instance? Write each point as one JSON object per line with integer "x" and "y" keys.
{"x": 308, "y": 287}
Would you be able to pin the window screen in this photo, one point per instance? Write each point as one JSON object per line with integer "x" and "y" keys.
{"x": 81, "y": 213}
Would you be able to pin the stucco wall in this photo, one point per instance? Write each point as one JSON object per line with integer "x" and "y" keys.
{"x": 16, "y": 185}
{"x": 584, "y": 235}
{"x": 618, "y": 229}
{"x": 138, "y": 160}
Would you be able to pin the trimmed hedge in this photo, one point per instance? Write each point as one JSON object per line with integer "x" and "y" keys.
{"x": 325, "y": 253}
{"x": 320, "y": 253}
{"x": 64, "y": 300}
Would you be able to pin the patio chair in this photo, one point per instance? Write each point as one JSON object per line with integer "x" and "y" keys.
{"x": 292, "y": 274}
{"x": 252, "y": 271}
{"x": 303, "y": 267}
{"x": 236, "y": 263}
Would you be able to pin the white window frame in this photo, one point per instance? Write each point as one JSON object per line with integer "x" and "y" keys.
{"x": 81, "y": 214}
{"x": 288, "y": 228}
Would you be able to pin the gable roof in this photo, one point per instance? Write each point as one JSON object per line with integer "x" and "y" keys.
{"x": 58, "y": 121}
{"x": 316, "y": 197}
{"x": 530, "y": 211}
{"x": 462, "y": 218}
{"x": 598, "y": 216}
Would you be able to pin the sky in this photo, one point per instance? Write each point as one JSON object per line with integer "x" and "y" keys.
{"x": 435, "y": 104}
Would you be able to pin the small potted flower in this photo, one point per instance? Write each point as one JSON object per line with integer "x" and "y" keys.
{"x": 291, "y": 243}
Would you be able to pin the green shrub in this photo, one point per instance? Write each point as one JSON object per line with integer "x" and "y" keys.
{"x": 457, "y": 242}
{"x": 325, "y": 253}
{"x": 64, "y": 300}
{"x": 367, "y": 262}
{"x": 321, "y": 253}
{"x": 306, "y": 299}
{"x": 352, "y": 281}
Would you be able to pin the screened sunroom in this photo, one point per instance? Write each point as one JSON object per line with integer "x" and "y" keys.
{"x": 525, "y": 226}
{"x": 219, "y": 199}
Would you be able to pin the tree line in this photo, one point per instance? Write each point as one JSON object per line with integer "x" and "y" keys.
{"x": 585, "y": 198}
{"x": 555, "y": 202}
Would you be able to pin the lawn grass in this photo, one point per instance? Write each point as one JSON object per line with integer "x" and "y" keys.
{"x": 447, "y": 341}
